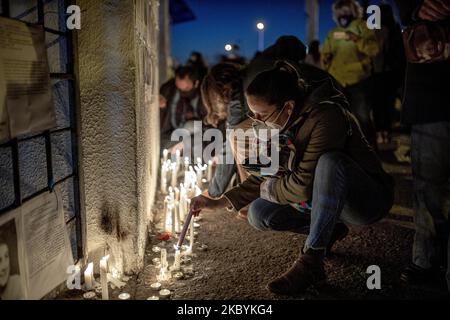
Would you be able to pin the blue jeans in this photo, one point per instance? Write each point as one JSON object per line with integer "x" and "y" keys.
{"x": 342, "y": 191}
{"x": 430, "y": 155}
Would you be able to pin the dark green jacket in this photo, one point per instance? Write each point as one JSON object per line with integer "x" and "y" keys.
{"x": 325, "y": 126}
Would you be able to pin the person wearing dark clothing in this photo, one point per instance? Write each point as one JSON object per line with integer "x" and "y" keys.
{"x": 197, "y": 61}
{"x": 329, "y": 163}
{"x": 426, "y": 107}
{"x": 347, "y": 55}
{"x": 180, "y": 104}
{"x": 285, "y": 48}
{"x": 389, "y": 73}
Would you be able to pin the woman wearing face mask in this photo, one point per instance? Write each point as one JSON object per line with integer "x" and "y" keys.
{"x": 331, "y": 165}
{"x": 347, "y": 55}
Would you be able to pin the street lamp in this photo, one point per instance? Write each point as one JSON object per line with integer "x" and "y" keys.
{"x": 228, "y": 47}
{"x": 260, "y": 26}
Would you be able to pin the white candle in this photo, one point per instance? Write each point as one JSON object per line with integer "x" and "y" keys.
{"x": 89, "y": 295}
{"x": 89, "y": 277}
{"x": 155, "y": 286}
{"x": 199, "y": 175}
{"x": 177, "y": 158}
{"x": 174, "y": 175}
{"x": 186, "y": 163}
{"x": 165, "y": 154}
{"x": 165, "y": 294}
{"x": 178, "y": 275}
{"x": 173, "y": 226}
{"x": 124, "y": 296}
{"x": 164, "y": 263}
{"x": 177, "y": 262}
{"x": 104, "y": 277}
{"x": 209, "y": 174}
{"x": 164, "y": 274}
{"x": 156, "y": 249}
{"x": 176, "y": 209}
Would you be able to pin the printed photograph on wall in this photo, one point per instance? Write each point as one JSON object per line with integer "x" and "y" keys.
{"x": 11, "y": 284}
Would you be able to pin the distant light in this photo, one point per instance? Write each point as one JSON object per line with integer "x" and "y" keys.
{"x": 228, "y": 47}
{"x": 260, "y": 26}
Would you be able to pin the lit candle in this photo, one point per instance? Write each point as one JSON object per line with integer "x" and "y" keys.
{"x": 174, "y": 175}
{"x": 176, "y": 209}
{"x": 199, "y": 175}
{"x": 155, "y": 286}
{"x": 173, "y": 226}
{"x": 186, "y": 163}
{"x": 153, "y": 298}
{"x": 165, "y": 154}
{"x": 104, "y": 277}
{"x": 164, "y": 274}
{"x": 178, "y": 275}
{"x": 89, "y": 277}
{"x": 89, "y": 295}
{"x": 124, "y": 296}
{"x": 165, "y": 294}
{"x": 177, "y": 159}
{"x": 156, "y": 249}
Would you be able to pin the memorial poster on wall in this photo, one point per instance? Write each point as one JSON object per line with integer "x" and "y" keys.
{"x": 38, "y": 247}
{"x": 26, "y": 103}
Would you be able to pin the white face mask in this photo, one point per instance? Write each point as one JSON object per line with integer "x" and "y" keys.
{"x": 265, "y": 130}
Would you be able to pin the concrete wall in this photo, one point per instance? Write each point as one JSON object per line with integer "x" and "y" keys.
{"x": 119, "y": 127}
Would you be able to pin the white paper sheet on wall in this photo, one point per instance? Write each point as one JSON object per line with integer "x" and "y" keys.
{"x": 35, "y": 238}
{"x": 26, "y": 104}
{"x": 46, "y": 244}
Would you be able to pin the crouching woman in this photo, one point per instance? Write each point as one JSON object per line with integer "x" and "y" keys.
{"x": 333, "y": 167}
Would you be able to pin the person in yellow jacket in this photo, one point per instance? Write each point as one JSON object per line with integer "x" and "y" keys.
{"x": 347, "y": 54}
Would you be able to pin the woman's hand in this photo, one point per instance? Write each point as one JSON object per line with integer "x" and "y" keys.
{"x": 201, "y": 202}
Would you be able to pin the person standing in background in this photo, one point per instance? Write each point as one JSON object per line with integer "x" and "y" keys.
{"x": 197, "y": 62}
{"x": 347, "y": 55}
{"x": 426, "y": 107}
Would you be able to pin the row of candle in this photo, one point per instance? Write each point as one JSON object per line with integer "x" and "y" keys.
{"x": 193, "y": 175}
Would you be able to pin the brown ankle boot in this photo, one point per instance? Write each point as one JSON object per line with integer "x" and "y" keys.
{"x": 306, "y": 271}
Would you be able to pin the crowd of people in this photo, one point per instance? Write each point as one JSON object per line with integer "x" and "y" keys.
{"x": 333, "y": 106}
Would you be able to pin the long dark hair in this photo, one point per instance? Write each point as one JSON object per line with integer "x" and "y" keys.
{"x": 221, "y": 83}
{"x": 278, "y": 85}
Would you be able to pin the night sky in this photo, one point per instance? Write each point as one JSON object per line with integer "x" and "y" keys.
{"x": 232, "y": 21}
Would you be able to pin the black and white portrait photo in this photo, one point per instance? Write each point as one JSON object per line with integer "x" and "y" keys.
{"x": 11, "y": 286}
